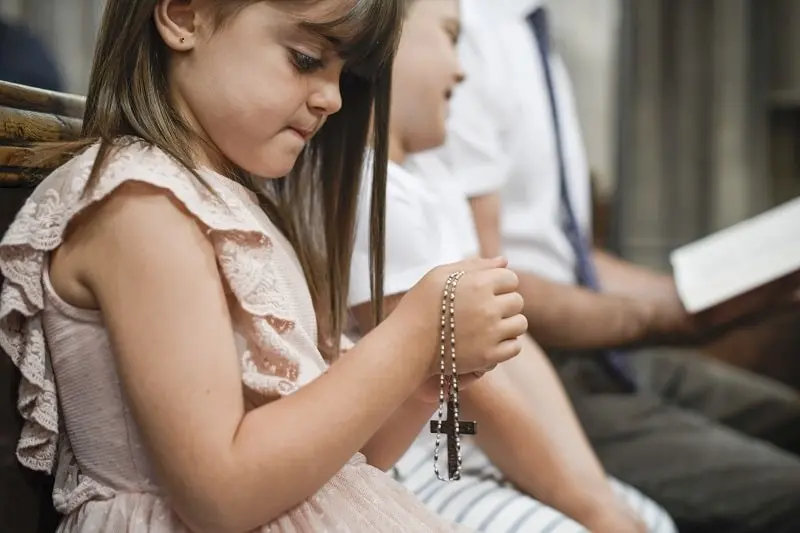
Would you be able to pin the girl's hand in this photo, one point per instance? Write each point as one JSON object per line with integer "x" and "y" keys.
{"x": 429, "y": 391}
{"x": 487, "y": 313}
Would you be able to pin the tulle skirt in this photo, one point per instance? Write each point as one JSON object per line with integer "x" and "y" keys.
{"x": 359, "y": 499}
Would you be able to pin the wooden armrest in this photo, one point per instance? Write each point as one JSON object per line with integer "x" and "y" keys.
{"x": 23, "y": 127}
{"x": 30, "y": 99}
{"x": 28, "y": 117}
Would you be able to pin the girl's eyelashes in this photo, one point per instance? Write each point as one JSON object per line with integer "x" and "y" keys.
{"x": 454, "y": 36}
{"x": 453, "y": 30}
{"x": 305, "y": 63}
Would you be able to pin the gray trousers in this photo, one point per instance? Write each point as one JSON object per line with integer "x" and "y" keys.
{"x": 718, "y": 447}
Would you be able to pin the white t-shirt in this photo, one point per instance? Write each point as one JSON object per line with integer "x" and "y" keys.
{"x": 501, "y": 138}
{"x": 428, "y": 223}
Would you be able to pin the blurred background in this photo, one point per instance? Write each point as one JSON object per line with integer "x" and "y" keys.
{"x": 690, "y": 110}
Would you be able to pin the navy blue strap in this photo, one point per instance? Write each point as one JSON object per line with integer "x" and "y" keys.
{"x": 585, "y": 268}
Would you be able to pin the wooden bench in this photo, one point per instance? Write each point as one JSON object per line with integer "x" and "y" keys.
{"x": 27, "y": 117}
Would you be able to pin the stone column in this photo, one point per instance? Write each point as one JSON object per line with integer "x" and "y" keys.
{"x": 740, "y": 186}
{"x": 640, "y": 181}
{"x": 692, "y": 125}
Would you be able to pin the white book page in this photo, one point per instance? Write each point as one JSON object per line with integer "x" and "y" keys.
{"x": 738, "y": 259}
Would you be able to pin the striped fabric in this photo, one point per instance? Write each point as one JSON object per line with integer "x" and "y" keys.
{"x": 484, "y": 501}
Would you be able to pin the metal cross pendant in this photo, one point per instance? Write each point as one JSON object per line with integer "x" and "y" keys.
{"x": 448, "y": 429}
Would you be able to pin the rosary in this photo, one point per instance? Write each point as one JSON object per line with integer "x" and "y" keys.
{"x": 452, "y": 428}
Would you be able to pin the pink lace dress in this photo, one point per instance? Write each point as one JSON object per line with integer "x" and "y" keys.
{"x": 77, "y": 422}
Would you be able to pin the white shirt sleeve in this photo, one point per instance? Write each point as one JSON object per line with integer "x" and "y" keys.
{"x": 413, "y": 244}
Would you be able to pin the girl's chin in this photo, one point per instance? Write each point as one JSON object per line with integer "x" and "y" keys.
{"x": 273, "y": 164}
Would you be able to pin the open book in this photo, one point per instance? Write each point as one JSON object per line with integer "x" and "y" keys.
{"x": 735, "y": 262}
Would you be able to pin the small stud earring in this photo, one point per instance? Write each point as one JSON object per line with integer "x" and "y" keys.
{"x": 183, "y": 40}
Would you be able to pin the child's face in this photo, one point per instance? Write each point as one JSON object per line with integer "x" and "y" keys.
{"x": 258, "y": 86}
{"x": 426, "y": 71}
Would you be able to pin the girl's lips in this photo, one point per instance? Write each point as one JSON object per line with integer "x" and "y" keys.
{"x": 302, "y": 133}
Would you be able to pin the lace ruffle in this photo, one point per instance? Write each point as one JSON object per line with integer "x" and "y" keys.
{"x": 243, "y": 251}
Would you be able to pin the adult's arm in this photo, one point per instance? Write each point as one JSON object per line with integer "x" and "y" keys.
{"x": 568, "y": 317}
{"x": 531, "y": 433}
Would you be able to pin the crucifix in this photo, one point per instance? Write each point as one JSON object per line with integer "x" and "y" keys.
{"x": 448, "y": 428}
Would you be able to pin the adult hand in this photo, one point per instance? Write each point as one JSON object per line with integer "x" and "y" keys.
{"x": 677, "y": 326}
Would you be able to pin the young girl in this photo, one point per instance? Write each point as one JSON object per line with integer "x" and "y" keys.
{"x": 174, "y": 337}
{"x": 529, "y": 434}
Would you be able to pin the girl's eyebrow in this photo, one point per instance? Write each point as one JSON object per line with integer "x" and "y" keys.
{"x": 337, "y": 33}
{"x": 319, "y": 32}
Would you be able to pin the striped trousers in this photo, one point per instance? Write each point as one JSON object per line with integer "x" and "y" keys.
{"x": 484, "y": 501}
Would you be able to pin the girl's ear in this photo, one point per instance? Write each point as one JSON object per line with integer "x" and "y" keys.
{"x": 177, "y": 21}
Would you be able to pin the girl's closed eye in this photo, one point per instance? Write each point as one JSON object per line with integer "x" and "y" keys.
{"x": 453, "y": 30}
{"x": 454, "y": 37}
{"x": 305, "y": 63}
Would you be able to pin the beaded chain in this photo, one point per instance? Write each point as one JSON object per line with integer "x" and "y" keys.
{"x": 448, "y": 385}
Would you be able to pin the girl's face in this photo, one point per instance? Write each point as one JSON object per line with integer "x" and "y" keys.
{"x": 259, "y": 85}
{"x": 426, "y": 70}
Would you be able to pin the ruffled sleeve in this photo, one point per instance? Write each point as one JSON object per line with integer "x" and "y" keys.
{"x": 271, "y": 364}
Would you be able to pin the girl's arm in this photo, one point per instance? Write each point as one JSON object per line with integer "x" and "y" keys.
{"x": 394, "y": 438}
{"x": 154, "y": 275}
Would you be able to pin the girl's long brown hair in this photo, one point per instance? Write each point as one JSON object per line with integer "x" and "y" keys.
{"x": 315, "y": 206}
